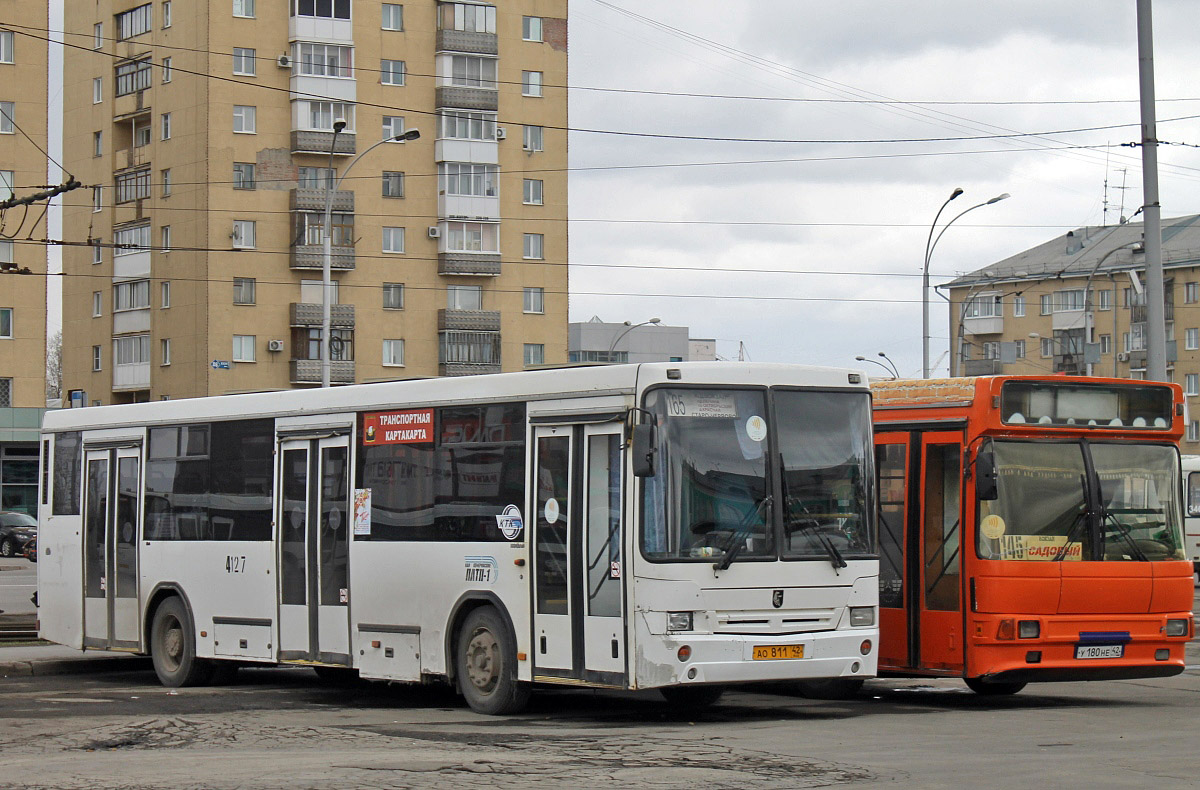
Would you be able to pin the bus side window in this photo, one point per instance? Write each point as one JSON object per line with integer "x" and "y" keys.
{"x": 1193, "y": 494}
{"x": 942, "y": 476}
{"x": 890, "y": 461}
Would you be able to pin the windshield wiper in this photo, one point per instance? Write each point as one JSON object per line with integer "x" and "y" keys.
{"x": 835, "y": 556}
{"x": 1123, "y": 531}
{"x": 737, "y": 541}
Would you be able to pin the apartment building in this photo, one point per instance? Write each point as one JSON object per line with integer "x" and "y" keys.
{"x": 22, "y": 262}
{"x": 210, "y": 135}
{"x": 1076, "y": 305}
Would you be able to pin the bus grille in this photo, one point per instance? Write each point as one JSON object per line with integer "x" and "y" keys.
{"x": 775, "y": 621}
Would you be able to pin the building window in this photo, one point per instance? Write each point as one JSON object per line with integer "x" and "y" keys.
{"x": 97, "y": 90}
{"x": 461, "y": 178}
{"x": 324, "y": 60}
{"x": 535, "y": 299}
{"x": 128, "y": 241}
{"x": 1104, "y": 300}
{"x": 141, "y": 135}
{"x": 1018, "y": 306}
{"x": 315, "y": 177}
{"x": 472, "y": 237}
{"x": 134, "y": 295}
{"x": 243, "y": 290}
{"x": 393, "y": 353}
{"x": 6, "y": 117}
{"x": 535, "y": 354}
{"x": 534, "y": 246}
{"x": 133, "y": 350}
{"x": 391, "y": 72}
{"x": 467, "y": 125}
{"x": 97, "y": 304}
{"x": 393, "y": 16}
{"x": 468, "y": 71}
{"x": 464, "y": 297}
{"x": 393, "y": 239}
{"x": 166, "y": 70}
{"x": 97, "y": 143}
{"x": 97, "y": 252}
{"x": 243, "y": 62}
{"x": 7, "y": 184}
{"x": 533, "y": 138}
{"x": 393, "y": 184}
{"x": 1191, "y": 384}
{"x": 393, "y": 296}
{"x": 243, "y": 119}
{"x": 164, "y": 351}
{"x": 531, "y": 83}
{"x": 133, "y": 186}
{"x": 1193, "y": 431}
{"x": 310, "y": 229}
{"x": 1133, "y": 298}
{"x": 244, "y": 233}
{"x": 322, "y": 114}
{"x": 393, "y": 127}
{"x": 98, "y": 35}
{"x": 243, "y": 348}
{"x": 165, "y": 125}
{"x": 531, "y": 28}
{"x": 243, "y": 8}
{"x": 6, "y": 251}
{"x": 164, "y": 291}
{"x": 165, "y": 236}
{"x": 1191, "y": 293}
{"x": 134, "y": 22}
{"x": 97, "y": 199}
{"x": 1020, "y": 348}
{"x": 533, "y": 192}
{"x": 165, "y": 175}
{"x": 243, "y": 175}
{"x": 6, "y": 46}
{"x": 1105, "y": 344}
{"x": 97, "y": 358}
{"x": 1065, "y": 301}
{"x": 167, "y": 13}
{"x": 1047, "y": 303}
{"x": 1047, "y": 347}
{"x": 1191, "y": 339}
{"x": 991, "y": 350}
{"x": 322, "y": 9}
{"x": 6, "y": 322}
{"x": 133, "y": 76}
{"x": 467, "y": 17}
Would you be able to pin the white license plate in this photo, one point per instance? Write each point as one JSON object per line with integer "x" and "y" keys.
{"x": 1099, "y": 651}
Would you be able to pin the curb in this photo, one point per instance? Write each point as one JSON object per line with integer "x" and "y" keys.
{"x": 74, "y": 666}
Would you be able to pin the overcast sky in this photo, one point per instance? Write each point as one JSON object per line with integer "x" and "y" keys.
{"x": 690, "y": 244}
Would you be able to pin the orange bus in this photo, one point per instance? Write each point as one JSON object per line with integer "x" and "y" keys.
{"x": 1031, "y": 529}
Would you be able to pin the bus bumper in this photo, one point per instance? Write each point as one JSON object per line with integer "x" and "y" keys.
{"x": 729, "y": 659}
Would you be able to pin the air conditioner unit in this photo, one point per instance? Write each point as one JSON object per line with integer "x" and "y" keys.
{"x": 1122, "y": 356}
{"x": 284, "y": 61}
{"x": 434, "y": 231}
{"x": 500, "y": 133}
{"x": 274, "y": 345}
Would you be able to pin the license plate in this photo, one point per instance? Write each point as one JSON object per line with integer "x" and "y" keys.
{"x": 1099, "y": 651}
{"x": 777, "y": 652}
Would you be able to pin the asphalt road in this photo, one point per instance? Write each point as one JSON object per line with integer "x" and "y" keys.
{"x": 16, "y": 585}
{"x": 283, "y": 728}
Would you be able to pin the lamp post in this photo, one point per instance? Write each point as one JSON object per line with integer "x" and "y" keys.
{"x": 1087, "y": 299}
{"x": 930, "y": 245}
{"x": 628, "y": 328}
{"x": 887, "y": 359}
{"x": 327, "y": 247}
{"x": 891, "y": 371}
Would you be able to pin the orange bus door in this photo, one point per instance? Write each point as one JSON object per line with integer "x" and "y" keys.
{"x": 892, "y": 466}
{"x": 940, "y": 630}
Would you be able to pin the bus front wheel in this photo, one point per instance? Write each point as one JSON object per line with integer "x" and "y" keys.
{"x": 486, "y": 665}
{"x": 993, "y": 689}
{"x": 173, "y": 647}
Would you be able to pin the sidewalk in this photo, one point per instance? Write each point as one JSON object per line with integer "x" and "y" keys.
{"x": 29, "y": 660}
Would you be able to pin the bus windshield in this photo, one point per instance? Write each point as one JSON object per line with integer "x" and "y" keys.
{"x": 1042, "y": 510}
{"x": 712, "y": 496}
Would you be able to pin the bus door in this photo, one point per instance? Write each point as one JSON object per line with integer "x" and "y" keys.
{"x": 314, "y": 550}
{"x": 578, "y": 625}
{"x": 939, "y": 547}
{"x": 892, "y": 466}
{"x": 112, "y": 524}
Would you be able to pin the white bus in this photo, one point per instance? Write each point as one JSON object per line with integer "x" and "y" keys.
{"x": 1191, "y": 521}
{"x": 677, "y": 526}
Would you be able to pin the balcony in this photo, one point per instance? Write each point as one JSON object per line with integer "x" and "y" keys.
{"x": 1064, "y": 320}
{"x": 469, "y": 320}
{"x": 131, "y": 105}
{"x": 311, "y": 256}
{"x": 982, "y": 367}
{"x": 131, "y": 321}
{"x": 467, "y": 41}
{"x": 308, "y": 371}
{"x": 341, "y": 316}
{"x": 468, "y": 264}
{"x": 479, "y": 208}
{"x": 136, "y": 376}
{"x": 465, "y": 98}
{"x": 467, "y": 368}
{"x": 131, "y": 157}
{"x": 983, "y": 325}
{"x": 309, "y": 142}
{"x": 314, "y": 200}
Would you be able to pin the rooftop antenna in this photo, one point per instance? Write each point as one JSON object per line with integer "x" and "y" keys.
{"x": 1121, "y": 212}
{"x": 1104, "y": 215}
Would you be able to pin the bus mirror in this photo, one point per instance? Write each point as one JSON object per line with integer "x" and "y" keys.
{"x": 985, "y": 475}
{"x": 642, "y": 447}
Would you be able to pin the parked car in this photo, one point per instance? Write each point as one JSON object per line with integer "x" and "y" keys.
{"x": 16, "y": 529}
{"x": 30, "y": 550}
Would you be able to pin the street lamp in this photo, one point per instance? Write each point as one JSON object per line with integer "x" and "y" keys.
{"x": 628, "y": 328}
{"x": 930, "y": 245}
{"x": 327, "y": 248}
{"x": 891, "y": 370}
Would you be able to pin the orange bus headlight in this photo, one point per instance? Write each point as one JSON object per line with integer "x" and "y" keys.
{"x": 1029, "y": 629}
{"x": 1177, "y": 628}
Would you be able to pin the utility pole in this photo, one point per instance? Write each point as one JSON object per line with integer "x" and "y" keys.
{"x": 1156, "y": 329}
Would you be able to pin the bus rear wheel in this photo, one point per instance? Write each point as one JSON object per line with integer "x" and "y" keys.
{"x": 486, "y": 665}
{"x": 173, "y": 647}
{"x": 993, "y": 689}
{"x": 831, "y": 688}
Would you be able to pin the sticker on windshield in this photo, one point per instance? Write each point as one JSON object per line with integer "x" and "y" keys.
{"x": 756, "y": 428}
{"x": 992, "y": 527}
{"x": 709, "y": 405}
{"x": 510, "y": 523}
{"x": 551, "y": 510}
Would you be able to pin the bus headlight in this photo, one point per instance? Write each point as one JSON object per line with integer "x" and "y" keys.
{"x": 679, "y": 621}
{"x": 1177, "y": 627}
{"x": 862, "y": 615}
{"x": 1029, "y": 629}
